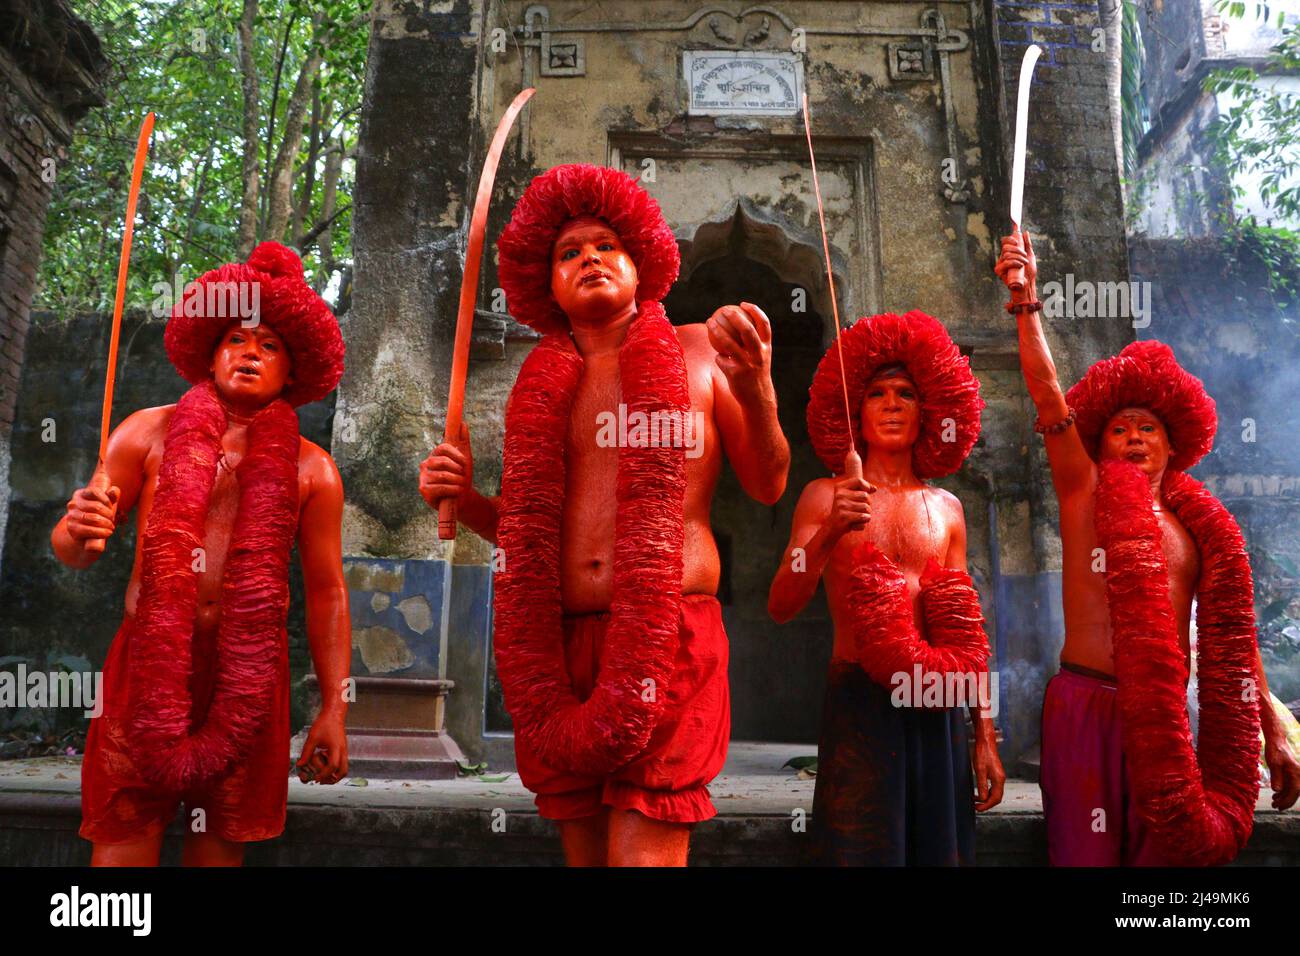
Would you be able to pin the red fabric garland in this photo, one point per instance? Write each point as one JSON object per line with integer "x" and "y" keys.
{"x": 884, "y": 631}
{"x": 613, "y": 725}
{"x": 1198, "y": 816}
{"x": 254, "y": 592}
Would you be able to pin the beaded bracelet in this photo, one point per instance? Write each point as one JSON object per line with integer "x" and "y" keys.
{"x": 1034, "y": 306}
{"x": 1056, "y": 427}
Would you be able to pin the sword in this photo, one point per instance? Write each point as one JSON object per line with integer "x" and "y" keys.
{"x": 1016, "y": 277}
{"x": 468, "y": 293}
{"x": 100, "y": 481}
{"x": 852, "y": 461}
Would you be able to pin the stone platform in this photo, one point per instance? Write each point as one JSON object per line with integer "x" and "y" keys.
{"x": 491, "y": 822}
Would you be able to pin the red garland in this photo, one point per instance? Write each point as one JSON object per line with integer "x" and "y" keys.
{"x": 948, "y": 390}
{"x": 604, "y": 732}
{"x": 884, "y": 631}
{"x": 254, "y": 592}
{"x": 1198, "y": 816}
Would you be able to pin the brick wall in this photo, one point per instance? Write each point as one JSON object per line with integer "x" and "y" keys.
{"x": 25, "y": 142}
{"x": 49, "y": 68}
{"x": 1074, "y": 212}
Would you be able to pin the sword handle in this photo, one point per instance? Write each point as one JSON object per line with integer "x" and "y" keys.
{"x": 447, "y": 519}
{"x": 1016, "y": 278}
{"x": 852, "y": 464}
{"x": 99, "y": 481}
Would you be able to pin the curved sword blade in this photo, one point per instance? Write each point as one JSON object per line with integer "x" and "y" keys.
{"x": 1022, "y": 132}
{"x": 469, "y": 293}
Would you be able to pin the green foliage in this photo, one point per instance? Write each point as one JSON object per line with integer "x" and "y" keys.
{"x": 180, "y": 59}
{"x": 1260, "y": 131}
{"x": 1132, "y": 95}
{"x": 1276, "y": 251}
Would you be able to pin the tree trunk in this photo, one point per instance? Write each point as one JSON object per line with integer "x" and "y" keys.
{"x": 329, "y": 190}
{"x": 252, "y": 113}
{"x": 302, "y": 208}
{"x": 1112, "y": 20}
{"x": 280, "y": 185}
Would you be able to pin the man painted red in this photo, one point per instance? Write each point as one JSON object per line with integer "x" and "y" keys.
{"x": 608, "y": 637}
{"x": 894, "y": 777}
{"x": 196, "y": 686}
{"x": 1140, "y": 539}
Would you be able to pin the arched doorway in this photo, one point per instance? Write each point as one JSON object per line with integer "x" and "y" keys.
{"x": 777, "y": 671}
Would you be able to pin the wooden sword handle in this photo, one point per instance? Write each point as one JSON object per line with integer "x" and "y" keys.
{"x": 99, "y": 481}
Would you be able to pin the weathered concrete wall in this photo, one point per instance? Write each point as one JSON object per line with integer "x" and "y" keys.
{"x": 1181, "y": 188}
{"x": 1179, "y": 191}
{"x": 1073, "y": 210}
{"x": 902, "y": 93}
{"x": 51, "y": 611}
{"x": 737, "y": 191}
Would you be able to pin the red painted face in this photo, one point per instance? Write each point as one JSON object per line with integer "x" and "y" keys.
{"x": 891, "y": 412}
{"x": 592, "y": 275}
{"x": 1136, "y": 435}
{"x": 251, "y": 366}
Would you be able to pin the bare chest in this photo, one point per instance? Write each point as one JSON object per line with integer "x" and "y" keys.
{"x": 909, "y": 527}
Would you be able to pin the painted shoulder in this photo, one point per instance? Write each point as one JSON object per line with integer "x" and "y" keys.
{"x": 693, "y": 337}
{"x": 315, "y": 461}
{"x": 145, "y": 426}
{"x": 950, "y": 501}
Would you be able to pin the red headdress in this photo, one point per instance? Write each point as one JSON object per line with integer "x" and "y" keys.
{"x": 614, "y": 724}
{"x": 1146, "y": 375}
{"x": 949, "y": 391}
{"x": 1198, "y": 802}
{"x": 286, "y": 303}
{"x": 167, "y": 748}
{"x": 566, "y": 192}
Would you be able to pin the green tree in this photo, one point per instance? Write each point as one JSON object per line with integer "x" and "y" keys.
{"x": 1259, "y": 131}
{"x": 257, "y": 109}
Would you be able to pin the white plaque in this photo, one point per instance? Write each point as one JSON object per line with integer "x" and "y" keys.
{"x": 734, "y": 82}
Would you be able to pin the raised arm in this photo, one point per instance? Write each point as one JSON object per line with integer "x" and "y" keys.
{"x": 329, "y": 626}
{"x": 744, "y": 400}
{"x": 1073, "y": 471}
{"x": 94, "y": 512}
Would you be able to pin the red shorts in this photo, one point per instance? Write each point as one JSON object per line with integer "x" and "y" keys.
{"x": 119, "y": 806}
{"x": 669, "y": 780}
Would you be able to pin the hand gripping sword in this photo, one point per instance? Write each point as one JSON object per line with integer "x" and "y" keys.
{"x": 101, "y": 480}
{"x": 468, "y": 293}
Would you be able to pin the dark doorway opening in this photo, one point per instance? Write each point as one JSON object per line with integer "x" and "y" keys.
{"x": 777, "y": 672}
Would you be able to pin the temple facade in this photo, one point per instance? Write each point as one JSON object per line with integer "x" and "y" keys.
{"x": 912, "y": 104}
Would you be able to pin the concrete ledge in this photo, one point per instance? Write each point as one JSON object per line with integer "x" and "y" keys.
{"x": 472, "y": 822}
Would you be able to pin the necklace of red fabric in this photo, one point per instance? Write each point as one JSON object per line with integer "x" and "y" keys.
{"x": 885, "y": 639}
{"x": 613, "y": 725}
{"x": 166, "y": 749}
{"x": 1200, "y": 815}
